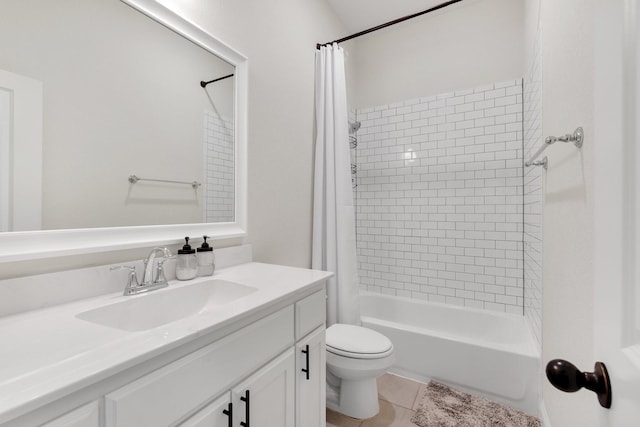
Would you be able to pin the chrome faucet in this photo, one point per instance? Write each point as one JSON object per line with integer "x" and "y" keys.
{"x": 150, "y": 280}
{"x": 148, "y": 277}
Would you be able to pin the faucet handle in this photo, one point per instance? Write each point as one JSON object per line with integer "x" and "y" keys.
{"x": 159, "y": 276}
{"x": 132, "y": 283}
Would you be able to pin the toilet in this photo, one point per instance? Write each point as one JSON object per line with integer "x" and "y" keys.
{"x": 356, "y": 357}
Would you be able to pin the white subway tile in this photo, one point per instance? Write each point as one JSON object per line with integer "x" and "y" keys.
{"x": 515, "y": 108}
{"x": 456, "y": 100}
{"x": 446, "y": 110}
{"x": 490, "y": 94}
{"x": 465, "y": 108}
{"x": 509, "y": 84}
{"x": 484, "y": 88}
{"x": 479, "y": 105}
{"x": 464, "y": 141}
{"x": 473, "y": 113}
{"x": 495, "y": 111}
{"x": 513, "y": 127}
{"x": 474, "y": 132}
{"x": 508, "y": 118}
{"x": 445, "y": 95}
{"x": 466, "y": 124}
{"x": 454, "y": 117}
{"x": 463, "y": 92}
{"x": 450, "y": 219}
{"x": 474, "y": 97}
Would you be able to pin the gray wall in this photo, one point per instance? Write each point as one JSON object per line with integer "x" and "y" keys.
{"x": 465, "y": 45}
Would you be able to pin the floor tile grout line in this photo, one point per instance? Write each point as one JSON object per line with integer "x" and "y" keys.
{"x": 417, "y": 398}
{"x": 410, "y": 408}
{"x": 407, "y": 410}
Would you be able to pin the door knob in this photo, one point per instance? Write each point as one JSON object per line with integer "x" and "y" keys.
{"x": 566, "y": 377}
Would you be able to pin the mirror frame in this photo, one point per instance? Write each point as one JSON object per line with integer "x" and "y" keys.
{"x": 30, "y": 245}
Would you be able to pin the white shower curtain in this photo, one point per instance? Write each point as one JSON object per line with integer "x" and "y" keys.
{"x": 334, "y": 235}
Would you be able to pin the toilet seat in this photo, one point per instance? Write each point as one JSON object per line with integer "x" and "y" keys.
{"x": 357, "y": 342}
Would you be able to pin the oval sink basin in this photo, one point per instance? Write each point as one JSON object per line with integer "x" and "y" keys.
{"x": 157, "y": 308}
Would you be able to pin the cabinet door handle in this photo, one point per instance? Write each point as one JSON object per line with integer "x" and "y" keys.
{"x": 245, "y": 399}
{"x": 306, "y": 353}
{"x": 229, "y": 413}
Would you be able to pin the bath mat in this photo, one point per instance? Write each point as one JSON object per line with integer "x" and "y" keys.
{"x": 443, "y": 406}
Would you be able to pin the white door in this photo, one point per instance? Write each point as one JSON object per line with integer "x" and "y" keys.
{"x": 20, "y": 153}
{"x": 266, "y": 398}
{"x": 617, "y": 206}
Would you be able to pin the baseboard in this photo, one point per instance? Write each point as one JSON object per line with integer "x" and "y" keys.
{"x": 544, "y": 417}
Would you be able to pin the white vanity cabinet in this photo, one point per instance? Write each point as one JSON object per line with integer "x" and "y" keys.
{"x": 216, "y": 414}
{"x": 261, "y": 370}
{"x": 85, "y": 416}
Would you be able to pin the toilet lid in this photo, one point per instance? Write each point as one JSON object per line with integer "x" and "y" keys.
{"x": 357, "y": 342}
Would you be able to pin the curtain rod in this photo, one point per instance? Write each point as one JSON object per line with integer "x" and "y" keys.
{"x": 390, "y": 23}
{"x": 204, "y": 84}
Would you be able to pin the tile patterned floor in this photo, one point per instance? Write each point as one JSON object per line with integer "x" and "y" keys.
{"x": 398, "y": 397}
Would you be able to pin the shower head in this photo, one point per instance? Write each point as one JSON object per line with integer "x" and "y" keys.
{"x": 353, "y": 127}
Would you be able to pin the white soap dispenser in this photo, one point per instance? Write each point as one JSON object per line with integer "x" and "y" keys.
{"x": 187, "y": 264}
{"x": 206, "y": 259}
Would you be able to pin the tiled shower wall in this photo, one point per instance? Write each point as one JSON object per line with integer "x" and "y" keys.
{"x": 219, "y": 168}
{"x": 439, "y": 201}
{"x": 533, "y": 187}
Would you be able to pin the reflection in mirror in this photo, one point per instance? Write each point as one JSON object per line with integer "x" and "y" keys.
{"x": 121, "y": 96}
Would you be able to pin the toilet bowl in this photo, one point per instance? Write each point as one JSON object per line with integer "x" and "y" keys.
{"x": 356, "y": 356}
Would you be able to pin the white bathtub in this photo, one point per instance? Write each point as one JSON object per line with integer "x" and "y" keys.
{"x": 486, "y": 353}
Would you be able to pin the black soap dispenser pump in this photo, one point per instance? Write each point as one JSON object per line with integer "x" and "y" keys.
{"x": 187, "y": 265}
{"x": 206, "y": 259}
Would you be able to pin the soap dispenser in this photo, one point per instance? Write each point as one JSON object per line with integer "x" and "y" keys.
{"x": 187, "y": 264}
{"x": 206, "y": 259}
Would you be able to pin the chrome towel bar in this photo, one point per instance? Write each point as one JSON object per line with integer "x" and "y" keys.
{"x": 133, "y": 179}
{"x": 577, "y": 138}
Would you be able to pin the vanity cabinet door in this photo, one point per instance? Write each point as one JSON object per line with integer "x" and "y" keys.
{"x": 165, "y": 396}
{"x": 85, "y": 416}
{"x": 266, "y": 398}
{"x": 217, "y": 414}
{"x": 311, "y": 380}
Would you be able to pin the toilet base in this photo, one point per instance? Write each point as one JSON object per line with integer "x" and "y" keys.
{"x": 356, "y": 398}
{"x": 352, "y": 371}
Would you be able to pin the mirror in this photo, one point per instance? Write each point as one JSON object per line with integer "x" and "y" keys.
{"x": 122, "y": 97}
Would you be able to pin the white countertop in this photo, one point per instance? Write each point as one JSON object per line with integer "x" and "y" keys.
{"x": 50, "y": 353}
